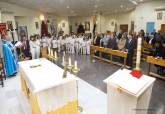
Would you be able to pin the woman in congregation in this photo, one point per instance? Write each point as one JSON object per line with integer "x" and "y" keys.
{"x": 122, "y": 42}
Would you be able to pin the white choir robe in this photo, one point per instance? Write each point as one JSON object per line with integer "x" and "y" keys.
{"x": 77, "y": 45}
{"x": 44, "y": 42}
{"x": 88, "y": 44}
{"x": 72, "y": 45}
{"x": 54, "y": 44}
{"x": 59, "y": 45}
{"x": 38, "y": 44}
{"x": 33, "y": 49}
{"x": 49, "y": 42}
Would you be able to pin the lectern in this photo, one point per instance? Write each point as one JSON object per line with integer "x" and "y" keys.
{"x": 128, "y": 94}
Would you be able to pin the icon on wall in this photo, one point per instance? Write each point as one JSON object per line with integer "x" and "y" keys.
{"x": 87, "y": 26}
{"x": 37, "y": 25}
{"x": 63, "y": 25}
{"x": 159, "y": 15}
{"x": 22, "y": 31}
{"x": 9, "y": 25}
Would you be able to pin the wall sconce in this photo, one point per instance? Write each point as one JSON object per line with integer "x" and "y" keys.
{"x": 42, "y": 18}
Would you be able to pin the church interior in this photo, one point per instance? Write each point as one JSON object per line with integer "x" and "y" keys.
{"x": 82, "y": 57}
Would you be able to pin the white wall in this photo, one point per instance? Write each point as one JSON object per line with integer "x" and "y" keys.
{"x": 142, "y": 14}
{"x": 82, "y": 20}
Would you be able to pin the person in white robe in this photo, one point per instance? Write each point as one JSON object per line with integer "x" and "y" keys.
{"x": 38, "y": 45}
{"x": 33, "y": 47}
{"x": 72, "y": 42}
{"x": 68, "y": 44}
{"x": 88, "y": 44}
{"x": 44, "y": 42}
{"x": 55, "y": 44}
{"x": 76, "y": 45}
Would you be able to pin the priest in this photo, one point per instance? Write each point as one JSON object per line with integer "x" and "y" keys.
{"x": 10, "y": 61}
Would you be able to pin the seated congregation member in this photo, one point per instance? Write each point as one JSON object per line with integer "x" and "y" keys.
{"x": 130, "y": 45}
{"x": 160, "y": 53}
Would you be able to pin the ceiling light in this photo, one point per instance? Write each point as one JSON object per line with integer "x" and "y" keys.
{"x": 134, "y": 2}
{"x": 67, "y": 7}
{"x": 141, "y": 0}
{"x": 96, "y": 6}
{"x": 121, "y": 6}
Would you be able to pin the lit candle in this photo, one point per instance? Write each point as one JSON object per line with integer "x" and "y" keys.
{"x": 55, "y": 54}
{"x": 70, "y": 64}
{"x": 75, "y": 64}
{"x": 64, "y": 53}
{"x": 51, "y": 52}
{"x": 63, "y": 60}
{"x": 138, "y": 57}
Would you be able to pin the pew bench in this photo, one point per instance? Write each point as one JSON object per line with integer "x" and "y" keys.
{"x": 155, "y": 61}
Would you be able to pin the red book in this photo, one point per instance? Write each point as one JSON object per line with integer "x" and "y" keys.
{"x": 136, "y": 74}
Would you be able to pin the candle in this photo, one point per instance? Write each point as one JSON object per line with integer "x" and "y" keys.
{"x": 138, "y": 57}
{"x": 75, "y": 64}
{"x": 70, "y": 64}
{"x": 63, "y": 60}
{"x": 55, "y": 54}
{"x": 51, "y": 52}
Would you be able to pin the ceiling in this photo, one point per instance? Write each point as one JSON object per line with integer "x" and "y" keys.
{"x": 78, "y": 7}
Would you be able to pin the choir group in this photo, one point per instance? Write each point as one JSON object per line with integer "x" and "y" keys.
{"x": 73, "y": 44}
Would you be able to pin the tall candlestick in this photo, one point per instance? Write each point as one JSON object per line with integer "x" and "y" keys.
{"x": 75, "y": 64}
{"x": 138, "y": 57}
{"x": 70, "y": 64}
{"x": 64, "y": 53}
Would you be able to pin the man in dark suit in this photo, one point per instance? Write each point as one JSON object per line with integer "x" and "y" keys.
{"x": 130, "y": 46}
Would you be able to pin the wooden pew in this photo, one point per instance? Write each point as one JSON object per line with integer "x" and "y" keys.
{"x": 152, "y": 60}
{"x": 110, "y": 52}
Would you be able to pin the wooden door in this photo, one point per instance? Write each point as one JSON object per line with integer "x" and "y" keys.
{"x": 124, "y": 27}
{"x": 163, "y": 28}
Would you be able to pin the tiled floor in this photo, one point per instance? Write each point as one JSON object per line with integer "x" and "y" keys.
{"x": 12, "y": 101}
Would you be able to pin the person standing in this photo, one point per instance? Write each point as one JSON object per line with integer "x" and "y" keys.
{"x": 130, "y": 45}
{"x": 10, "y": 61}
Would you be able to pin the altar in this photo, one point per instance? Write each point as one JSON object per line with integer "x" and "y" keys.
{"x": 48, "y": 92}
{"x": 127, "y": 94}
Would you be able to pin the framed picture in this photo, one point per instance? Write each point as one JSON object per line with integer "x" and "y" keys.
{"x": 63, "y": 25}
{"x": 37, "y": 25}
{"x": 9, "y": 25}
{"x": 22, "y": 31}
{"x": 87, "y": 26}
{"x": 159, "y": 16}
